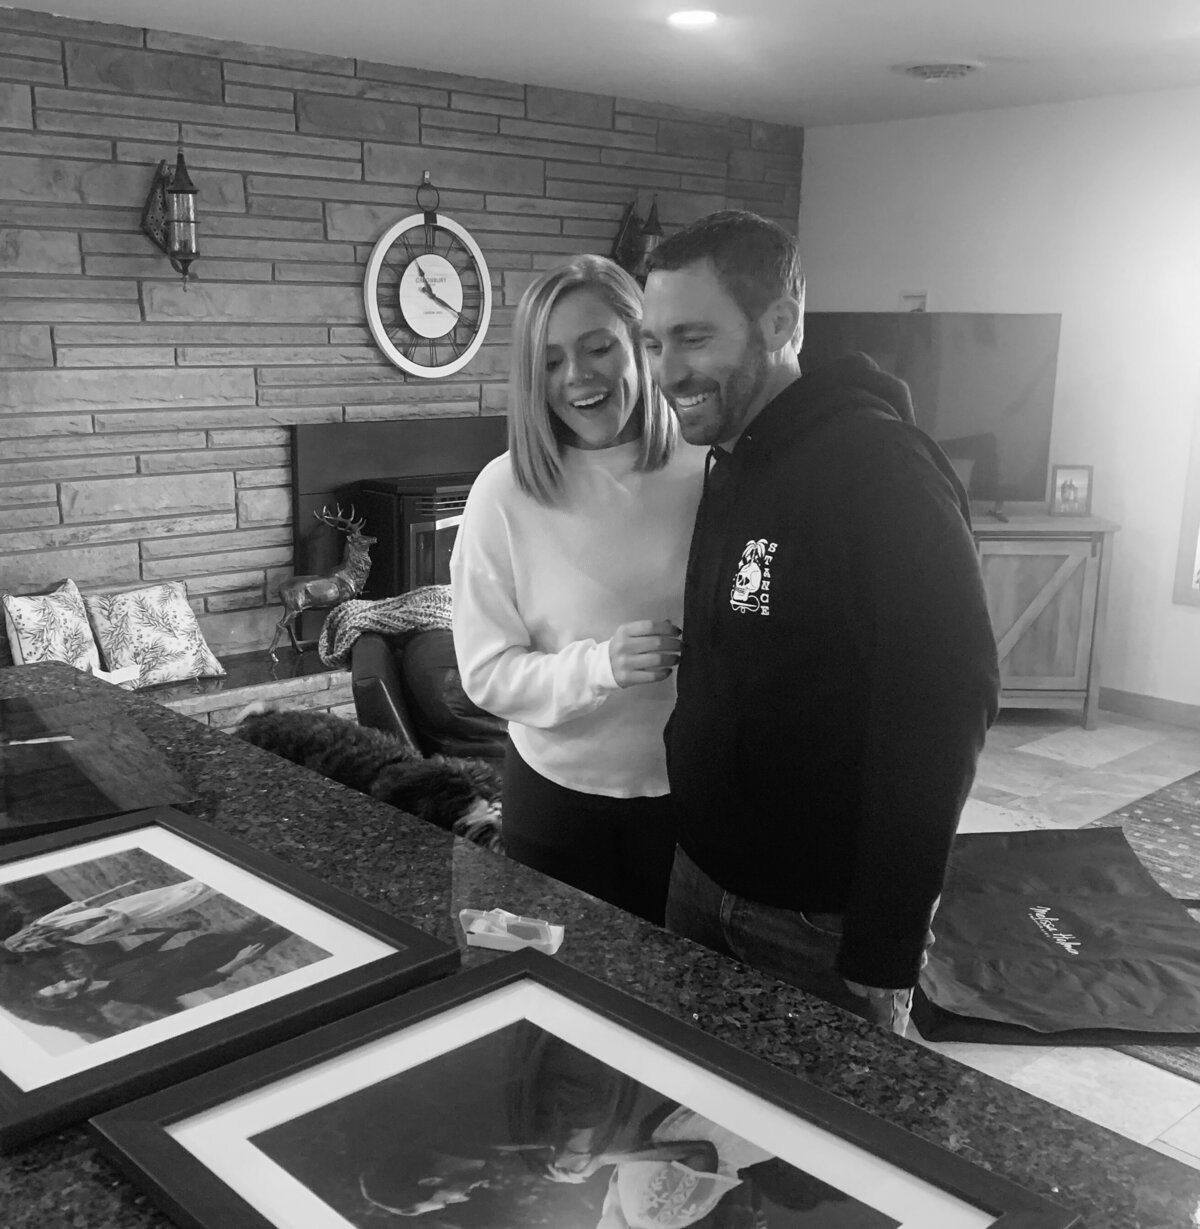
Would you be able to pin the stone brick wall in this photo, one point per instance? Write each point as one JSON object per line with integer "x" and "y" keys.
{"x": 143, "y": 429}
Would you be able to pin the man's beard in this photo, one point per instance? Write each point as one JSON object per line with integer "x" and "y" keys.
{"x": 742, "y": 387}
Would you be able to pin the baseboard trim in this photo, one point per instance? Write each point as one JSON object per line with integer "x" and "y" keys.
{"x": 1151, "y": 708}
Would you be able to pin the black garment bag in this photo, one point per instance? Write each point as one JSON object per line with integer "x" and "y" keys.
{"x": 1058, "y": 937}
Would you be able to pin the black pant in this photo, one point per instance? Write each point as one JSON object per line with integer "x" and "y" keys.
{"x": 619, "y": 849}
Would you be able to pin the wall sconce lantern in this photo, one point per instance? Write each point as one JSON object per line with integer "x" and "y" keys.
{"x": 169, "y": 215}
{"x": 625, "y": 250}
{"x": 635, "y": 239}
{"x": 648, "y": 240}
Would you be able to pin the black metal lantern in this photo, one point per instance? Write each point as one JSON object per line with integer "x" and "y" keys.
{"x": 652, "y": 232}
{"x": 625, "y": 250}
{"x": 169, "y": 215}
{"x": 648, "y": 239}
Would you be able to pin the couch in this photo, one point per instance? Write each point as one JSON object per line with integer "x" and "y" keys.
{"x": 408, "y": 685}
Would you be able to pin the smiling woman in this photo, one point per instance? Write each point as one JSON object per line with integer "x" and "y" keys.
{"x": 568, "y": 589}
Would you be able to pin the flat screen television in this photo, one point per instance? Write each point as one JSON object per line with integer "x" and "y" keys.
{"x": 982, "y": 385}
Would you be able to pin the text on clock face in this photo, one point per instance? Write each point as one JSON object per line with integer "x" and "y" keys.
{"x": 430, "y": 295}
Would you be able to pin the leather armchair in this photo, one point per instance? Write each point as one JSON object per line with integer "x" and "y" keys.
{"x": 409, "y": 686}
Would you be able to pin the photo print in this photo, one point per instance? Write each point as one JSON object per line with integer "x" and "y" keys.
{"x": 524, "y": 1094}
{"x": 1071, "y": 490}
{"x": 110, "y": 946}
{"x": 102, "y": 946}
{"x": 520, "y": 1129}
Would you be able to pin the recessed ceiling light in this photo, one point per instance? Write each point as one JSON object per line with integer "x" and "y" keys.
{"x": 692, "y": 19}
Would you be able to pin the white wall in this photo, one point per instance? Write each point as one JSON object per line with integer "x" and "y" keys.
{"x": 1090, "y": 209}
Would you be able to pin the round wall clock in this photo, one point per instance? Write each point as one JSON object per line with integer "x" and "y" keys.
{"x": 428, "y": 294}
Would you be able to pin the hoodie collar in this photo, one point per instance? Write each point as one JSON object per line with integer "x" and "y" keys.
{"x": 852, "y": 379}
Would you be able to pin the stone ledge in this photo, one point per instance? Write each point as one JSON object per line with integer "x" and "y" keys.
{"x": 292, "y": 682}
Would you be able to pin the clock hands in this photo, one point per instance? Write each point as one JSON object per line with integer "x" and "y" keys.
{"x": 433, "y": 294}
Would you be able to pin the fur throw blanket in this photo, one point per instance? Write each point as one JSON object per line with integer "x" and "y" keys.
{"x": 460, "y": 795}
{"x": 418, "y": 610}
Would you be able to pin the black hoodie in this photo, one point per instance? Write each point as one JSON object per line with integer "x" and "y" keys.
{"x": 839, "y": 671}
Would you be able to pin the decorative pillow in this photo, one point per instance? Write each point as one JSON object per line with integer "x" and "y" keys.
{"x": 51, "y": 627}
{"x": 155, "y": 630}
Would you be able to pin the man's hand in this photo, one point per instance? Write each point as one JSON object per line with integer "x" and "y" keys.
{"x": 644, "y": 652}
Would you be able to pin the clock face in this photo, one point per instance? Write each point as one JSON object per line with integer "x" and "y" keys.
{"x": 428, "y": 295}
{"x": 431, "y": 296}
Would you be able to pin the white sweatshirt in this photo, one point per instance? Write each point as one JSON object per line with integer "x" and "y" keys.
{"x": 539, "y": 592}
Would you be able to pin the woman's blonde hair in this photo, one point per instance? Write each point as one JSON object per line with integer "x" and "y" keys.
{"x": 533, "y": 443}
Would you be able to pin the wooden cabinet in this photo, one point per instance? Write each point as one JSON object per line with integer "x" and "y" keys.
{"x": 1046, "y": 580}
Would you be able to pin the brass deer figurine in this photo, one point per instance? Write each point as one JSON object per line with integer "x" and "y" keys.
{"x": 301, "y": 593}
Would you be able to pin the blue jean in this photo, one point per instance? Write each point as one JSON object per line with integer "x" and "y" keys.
{"x": 799, "y": 948}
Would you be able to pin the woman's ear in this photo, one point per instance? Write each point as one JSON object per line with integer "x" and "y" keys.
{"x": 780, "y": 322}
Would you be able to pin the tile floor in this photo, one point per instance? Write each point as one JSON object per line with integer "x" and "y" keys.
{"x": 1041, "y": 770}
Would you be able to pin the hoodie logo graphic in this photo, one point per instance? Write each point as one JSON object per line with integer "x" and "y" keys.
{"x": 751, "y": 592}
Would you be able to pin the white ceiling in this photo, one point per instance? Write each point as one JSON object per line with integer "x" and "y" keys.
{"x": 806, "y": 62}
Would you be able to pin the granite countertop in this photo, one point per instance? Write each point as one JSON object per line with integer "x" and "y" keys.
{"x": 421, "y": 874}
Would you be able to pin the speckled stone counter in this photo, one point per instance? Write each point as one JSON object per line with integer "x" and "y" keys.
{"x": 419, "y": 873}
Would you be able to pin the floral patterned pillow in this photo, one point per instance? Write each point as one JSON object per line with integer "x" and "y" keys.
{"x": 51, "y": 627}
{"x": 155, "y": 630}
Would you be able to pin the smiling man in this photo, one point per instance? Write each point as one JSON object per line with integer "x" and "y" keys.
{"x": 839, "y": 672}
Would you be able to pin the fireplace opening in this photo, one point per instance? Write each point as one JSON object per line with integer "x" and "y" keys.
{"x": 408, "y": 480}
{"x": 415, "y": 521}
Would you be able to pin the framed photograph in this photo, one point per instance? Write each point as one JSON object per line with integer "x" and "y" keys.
{"x": 525, "y": 1095}
{"x": 147, "y": 948}
{"x": 1071, "y": 490}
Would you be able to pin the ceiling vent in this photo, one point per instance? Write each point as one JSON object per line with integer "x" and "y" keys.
{"x": 940, "y": 72}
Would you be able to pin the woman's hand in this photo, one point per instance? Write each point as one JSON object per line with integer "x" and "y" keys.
{"x": 243, "y": 957}
{"x": 575, "y": 1161}
{"x": 644, "y": 652}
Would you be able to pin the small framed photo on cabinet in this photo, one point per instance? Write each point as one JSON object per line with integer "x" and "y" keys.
{"x": 1071, "y": 490}
{"x": 151, "y": 947}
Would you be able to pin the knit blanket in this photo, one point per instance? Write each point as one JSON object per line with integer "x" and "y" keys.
{"x": 419, "y": 610}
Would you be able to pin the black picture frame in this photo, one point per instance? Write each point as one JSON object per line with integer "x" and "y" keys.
{"x": 415, "y": 957}
{"x": 142, "y": 1137}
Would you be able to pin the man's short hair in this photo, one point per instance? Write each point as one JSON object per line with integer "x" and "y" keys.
{"x": 756, "y": 260}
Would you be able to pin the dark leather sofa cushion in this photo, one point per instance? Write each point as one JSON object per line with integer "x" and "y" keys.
{"x": 440, "y": 707}
{"x": 410, "y": 686}
{"x": 378, "y": 694}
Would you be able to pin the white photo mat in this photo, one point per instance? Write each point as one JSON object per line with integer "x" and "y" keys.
{"x": 220, "y": 1137}
{"x": 30, "y": 1065}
